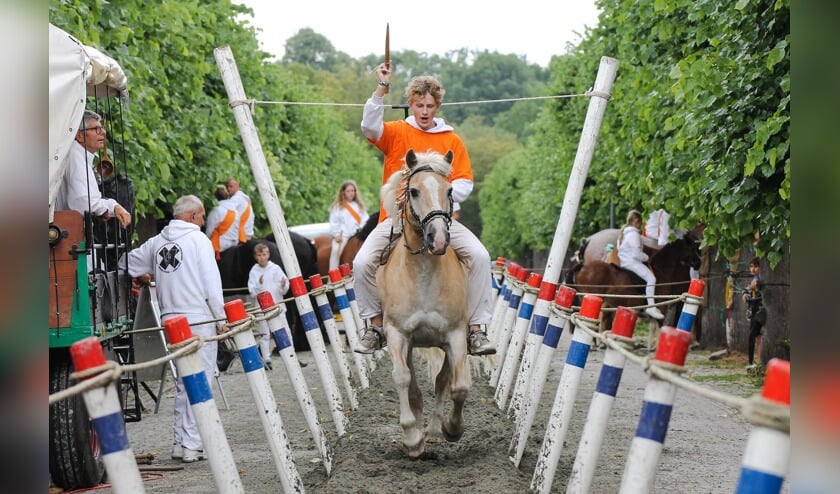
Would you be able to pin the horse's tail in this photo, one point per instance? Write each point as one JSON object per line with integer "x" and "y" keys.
{"x": 434, "y": 361}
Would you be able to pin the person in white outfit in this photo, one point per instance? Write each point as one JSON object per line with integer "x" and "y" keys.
{"x": 245, "y": 225}
{"x": 79, "y": 190}
{"x": 223, "y": 223}
{"x": 657, "y": 226}
{"x": 421, "y": 132}
{"x": 632, "y": 257}
{"x": 180, "y": 258}
{"x": 347, "y": 215}
{"x": 267, "y": 276}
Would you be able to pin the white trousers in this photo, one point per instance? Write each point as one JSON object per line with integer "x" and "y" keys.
{"x": 185, "y": 428}
{"x": 335, "y": 252}
{"x": 644, "y": 273}
{"x": 470, "y": 251}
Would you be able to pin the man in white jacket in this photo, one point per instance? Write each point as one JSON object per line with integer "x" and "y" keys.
{"x": 79, "y": 191}
{"x": 182, "y": 263}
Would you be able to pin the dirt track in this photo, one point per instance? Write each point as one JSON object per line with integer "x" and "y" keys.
{"x": 702, "y": 451}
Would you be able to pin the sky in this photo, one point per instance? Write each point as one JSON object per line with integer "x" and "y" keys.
{"x": 536, "y": 29}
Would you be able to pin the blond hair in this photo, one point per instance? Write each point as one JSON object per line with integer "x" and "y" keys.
{"x": 422, "y": 85}
{"x": 339, "y": 197}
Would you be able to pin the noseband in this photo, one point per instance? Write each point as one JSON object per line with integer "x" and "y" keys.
{"x": 447, "y": 215}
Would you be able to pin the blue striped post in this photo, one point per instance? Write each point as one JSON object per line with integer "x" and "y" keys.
{"x": 564, "y": 401}
{"x": 583, "y": 470}
{"x": 319, "y": 291}
{"x": 506, "y": 327}
{"x": 349, "y": 287}
{"x": 539, "y": 320}
{"x": 350, "y": 328}
{"x": 517, "y": 340}
{"x": 275, "y": 433}
{"x": 106, "y": 416}
{"x": 279, "y": 331}
{"x": 766, "y": 458}
{"x": 691, "y": 305}
{"x": 532, "y": 396}
{"x": 191, "y": 370}
{"x": 319, "y": 353}
{"x": 499, "y": 308}
{"x": 646, "y": 447}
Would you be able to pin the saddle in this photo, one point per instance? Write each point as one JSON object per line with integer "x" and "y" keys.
{"x": 634, "y": 278}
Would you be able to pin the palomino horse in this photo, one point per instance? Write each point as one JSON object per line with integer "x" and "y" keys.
{"x": 423, "y": 288}
{"x": 323, "y": 245}
{"x": 670, "y": 265}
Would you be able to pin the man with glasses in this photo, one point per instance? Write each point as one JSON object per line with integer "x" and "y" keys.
{"x": 79, "y": 190}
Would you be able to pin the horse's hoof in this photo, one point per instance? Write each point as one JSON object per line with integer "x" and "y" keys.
{"x": 451, "y": 436}
{"x": 415, "y": 451}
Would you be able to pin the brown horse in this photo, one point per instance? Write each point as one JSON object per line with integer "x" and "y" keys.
{"x": 670, "y": 265}
{"x": 323, "y": 245}
{"x": 423, "y": 288}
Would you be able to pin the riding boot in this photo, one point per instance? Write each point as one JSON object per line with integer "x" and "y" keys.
{"x": 478, "y": 343}
{"x": 371, "y": 340}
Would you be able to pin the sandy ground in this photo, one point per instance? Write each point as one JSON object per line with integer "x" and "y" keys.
{"x": 702, "y": 451}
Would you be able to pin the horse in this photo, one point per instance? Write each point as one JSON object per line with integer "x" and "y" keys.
{"x": 670, "y": 264}
{"x": 423, "y": 288}
{"x": 236, "y": 262}
{"x": 323, "y": 245}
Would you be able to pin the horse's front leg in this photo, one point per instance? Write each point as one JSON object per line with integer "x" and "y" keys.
{"x": 442, "y": 381}
{"x": 459, "y": 385}
{"x": 413, "y": 438}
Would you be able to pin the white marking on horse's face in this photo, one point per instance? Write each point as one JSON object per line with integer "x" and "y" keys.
{"x": 436, "y": 197}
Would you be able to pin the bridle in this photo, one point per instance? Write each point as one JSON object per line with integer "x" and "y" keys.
{"x": 447, "y": 215}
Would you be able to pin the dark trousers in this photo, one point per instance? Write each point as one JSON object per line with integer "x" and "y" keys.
{"x": 755, "y": 332}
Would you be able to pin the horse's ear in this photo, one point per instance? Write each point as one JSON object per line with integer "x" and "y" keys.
{"x": 449, "y": 156}
{"x": 410, "y": 158}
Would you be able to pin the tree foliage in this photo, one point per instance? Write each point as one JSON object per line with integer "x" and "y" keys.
{"x": 698, "y": 121}
{"x": 181, "y": 136}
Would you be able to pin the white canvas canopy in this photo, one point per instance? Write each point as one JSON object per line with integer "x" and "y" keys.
{"x": 76, "y": 71}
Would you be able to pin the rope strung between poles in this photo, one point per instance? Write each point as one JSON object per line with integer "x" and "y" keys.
{"x": 755, "y": 409}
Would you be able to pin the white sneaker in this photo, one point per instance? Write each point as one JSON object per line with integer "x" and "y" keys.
{"x": 191, "y": 455}
{"x": 654, "y": 313}
{"x": 177, "y": 451}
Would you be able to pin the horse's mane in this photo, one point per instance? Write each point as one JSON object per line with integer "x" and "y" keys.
{"x": 393, "y": 192}
{"x": 368, "y": 227}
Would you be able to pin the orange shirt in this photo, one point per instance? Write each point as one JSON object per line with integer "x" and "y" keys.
{"x": 398, "y": 137}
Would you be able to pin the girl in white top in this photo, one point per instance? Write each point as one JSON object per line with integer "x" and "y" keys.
{"x": 632, "y": 257}
{"x": 267, "y": 276}
{"x": 347, "y": 215}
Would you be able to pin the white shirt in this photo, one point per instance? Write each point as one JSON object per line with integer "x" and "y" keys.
{"x": 341, "y": 221}
{"x": 657, "y": 226}
{"x": 227, "y": 238}
{"x": 268, "y": 278}
{"x": 243, "y": 203}
{"x": 630, "y": 248}
{"x": 182, "y": 261}
{"x": 80, "y": 183}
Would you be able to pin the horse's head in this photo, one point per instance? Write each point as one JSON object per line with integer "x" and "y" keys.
{"x": 685, "y": 251}
{"x": 421, "y": 196}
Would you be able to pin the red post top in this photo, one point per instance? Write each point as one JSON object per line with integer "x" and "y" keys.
{"x": 177, "y": 329}
{"x": 500, "y": 262}
{"x": 315, "y": 281}
{"x": 87, "y": 353}
{"x": 673, "y": 345}
{"x": 345, "y": 269}
{"x": 624, "y": 322}
{"x": 565, "y": 296}
{"x": 513, "y": 268}
{"x": 235, "y": 311}
{"x": 335, "y": 275}
{"x": 265, "y": 300}
{"x": 547, "y": 290}
{"x": 522, "y": 274}
{"x": 591, "y": 306}
{"x": 777, "y": 381}
{"x": 696, "y": 287}
{"x": 298, "y": 286}
{"x": 534, "y": 280}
